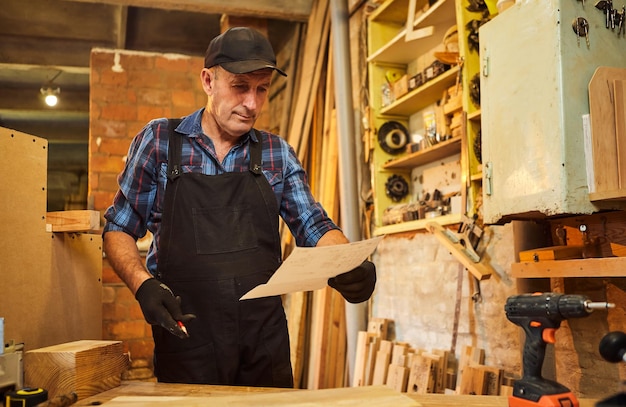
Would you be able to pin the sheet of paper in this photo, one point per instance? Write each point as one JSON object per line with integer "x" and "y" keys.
{"x": 309, "y": 268}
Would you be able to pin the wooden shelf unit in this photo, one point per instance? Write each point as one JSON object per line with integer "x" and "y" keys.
{"x": 398, "y": 42}
{"x": 438, "y": 151}
{"x": 420, "y": 97}
{"x": 400, "y": 51}
{"x": 413, "y": 225}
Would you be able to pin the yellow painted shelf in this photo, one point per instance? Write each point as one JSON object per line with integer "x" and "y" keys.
{"x": 433, "y": 24}
{"x": 450, "y": 219}
{"x": 428, "y": 155}
{"x": 420, "y": 97}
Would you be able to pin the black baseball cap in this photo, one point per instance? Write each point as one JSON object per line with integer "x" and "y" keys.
{"x": 241, "y": 50}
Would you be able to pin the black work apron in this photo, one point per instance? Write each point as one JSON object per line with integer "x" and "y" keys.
{"x": 220, "y": 239}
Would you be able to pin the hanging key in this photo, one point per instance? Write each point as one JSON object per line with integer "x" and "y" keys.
{"x": 613, "y": 16}
{"x": 606, "y": 6}
{"x": 580, "y": 25}
{"x": 620, "y": 16}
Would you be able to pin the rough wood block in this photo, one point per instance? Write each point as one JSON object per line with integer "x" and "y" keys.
{"x": 73, "y": 221}
{"x": 469, "y": 355}
{"x": 85, "y": 367}
{"x": 473, "y": 381}
{"x": 372, "y": 350}
{"x": 381, "y": 368}
{"x": 397, "y": 377}
{"x": 442, "y": 369}
{"x": 422, "y": 375}
{"x": 398, "y": 354}
{"x": 386, "y": 346}
{"x": 506, "y": 390}
{"x": 378, "y": 326}
{"x": 360, "y": 359}
{"x": 438, "y": 370}
{"x": 493, "y": 380}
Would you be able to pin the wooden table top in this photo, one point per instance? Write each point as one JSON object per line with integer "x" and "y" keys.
{"x": 136, "y": 393}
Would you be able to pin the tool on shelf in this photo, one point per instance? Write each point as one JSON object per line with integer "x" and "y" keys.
{"x": 462, "y": 245}
{"x": 540, "y": 315}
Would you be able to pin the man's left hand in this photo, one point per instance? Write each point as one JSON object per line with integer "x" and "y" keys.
{"x": 357, "y": 285}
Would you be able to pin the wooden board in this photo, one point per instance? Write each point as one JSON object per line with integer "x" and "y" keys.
{"x": 82, "y": 367}
{"x": 604, "y": 140}
{"x": 136, "y": 388}
{"x": 481, "y": 269}
{"x": 360, "y": 358}
{"x": 552, "y": 253}
{"x": 73, "y": 221}
{"x": 422, "y": 375}
{"x": 473, "y": 381}
{"x": 619, "y": 95}
{"x": 381, "y": 368}
{"x": 53, "y": 281}
{"x": 372, "y": 396}
{"x": 397, "y": 378}
{"x": 378, "y": 326}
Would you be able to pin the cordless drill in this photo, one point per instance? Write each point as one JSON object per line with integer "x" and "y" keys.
{"x": 540, "y": 315}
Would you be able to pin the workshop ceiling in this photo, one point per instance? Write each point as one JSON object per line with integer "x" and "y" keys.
{"x": 51, "y": 40}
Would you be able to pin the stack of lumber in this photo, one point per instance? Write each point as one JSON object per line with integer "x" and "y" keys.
{"x": 398, "y": 365}
{"x": 380, "y": 361}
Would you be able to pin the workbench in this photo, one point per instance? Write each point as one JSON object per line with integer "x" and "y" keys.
{"x": 164, "y": 390}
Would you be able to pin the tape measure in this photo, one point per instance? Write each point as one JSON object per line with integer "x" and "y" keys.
{"x": 26, "y": 397}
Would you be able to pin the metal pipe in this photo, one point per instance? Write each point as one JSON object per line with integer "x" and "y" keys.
{"x": 356, "y": 314}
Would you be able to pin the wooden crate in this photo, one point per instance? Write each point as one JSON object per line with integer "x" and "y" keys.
{"x": 86, "y": 367}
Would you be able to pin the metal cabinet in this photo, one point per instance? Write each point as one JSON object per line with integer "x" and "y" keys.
{"x": 535, "y": 72}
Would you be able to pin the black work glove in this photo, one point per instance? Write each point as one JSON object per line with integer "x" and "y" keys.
{"x": 357, "y": 285}
{"x": 161, "y": 307}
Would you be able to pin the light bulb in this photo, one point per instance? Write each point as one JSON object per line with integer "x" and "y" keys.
{"x": 51, "y": 96}
{"x": 51, "y": 100}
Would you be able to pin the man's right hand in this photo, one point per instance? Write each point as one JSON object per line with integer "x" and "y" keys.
{"x": 161, "y": 307}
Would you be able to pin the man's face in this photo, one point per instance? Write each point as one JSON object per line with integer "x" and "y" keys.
{"x": 235, "y": 100}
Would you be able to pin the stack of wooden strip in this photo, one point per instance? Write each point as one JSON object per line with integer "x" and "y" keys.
{"x": 380, "y": 361}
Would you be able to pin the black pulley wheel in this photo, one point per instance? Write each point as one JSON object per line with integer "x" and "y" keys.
{"x": 393, "y": 137}
{"x": 396, "y": 188}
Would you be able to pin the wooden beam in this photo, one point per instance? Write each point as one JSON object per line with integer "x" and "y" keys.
{"x": 31, "y": 99}
{"x": 292, "y": 10}
{"x": 73, "y": 221}
{"x": 85, "y": 367}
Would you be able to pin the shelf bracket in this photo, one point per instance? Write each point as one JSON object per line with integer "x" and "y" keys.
{"x": 462, "y": 249}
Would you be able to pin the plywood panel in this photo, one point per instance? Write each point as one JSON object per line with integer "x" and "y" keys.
{"x": 51, "y": 285}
